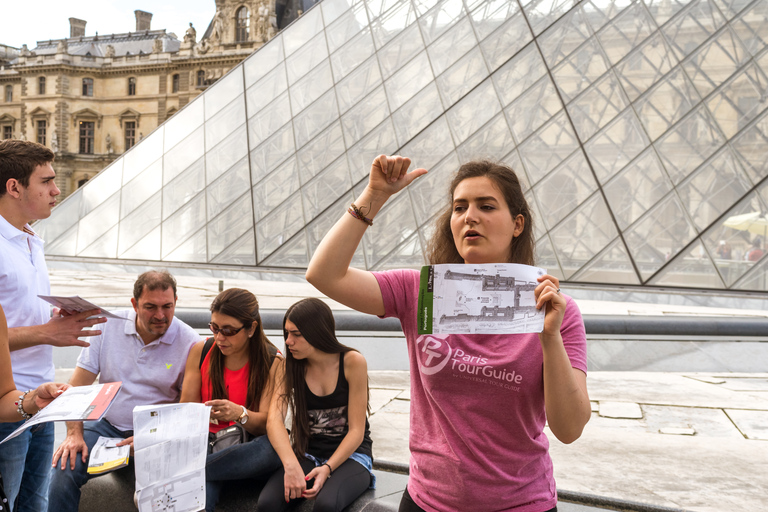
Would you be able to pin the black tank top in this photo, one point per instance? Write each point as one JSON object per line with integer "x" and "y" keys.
{"x": 328, "y": 423}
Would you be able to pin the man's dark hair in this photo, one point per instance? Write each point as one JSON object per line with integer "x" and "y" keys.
{"x": 18, "y": 159}
{"x": 153, "y": 280}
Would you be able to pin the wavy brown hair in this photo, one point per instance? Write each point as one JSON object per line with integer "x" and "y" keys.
{"x": 314, "y": 320}
{"x": 242, "y": 305}
{"x": 442, "y": 248}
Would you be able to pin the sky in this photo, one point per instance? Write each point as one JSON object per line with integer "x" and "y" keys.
{"x": 22, "y": 23}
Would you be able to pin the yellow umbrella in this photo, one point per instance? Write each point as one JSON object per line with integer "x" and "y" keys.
{"x": 754, "y": 222}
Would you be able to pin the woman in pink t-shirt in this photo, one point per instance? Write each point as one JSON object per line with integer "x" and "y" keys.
{"x": 479, "y": 402}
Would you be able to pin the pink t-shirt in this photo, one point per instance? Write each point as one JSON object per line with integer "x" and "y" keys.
{"x": 477, "y": 410}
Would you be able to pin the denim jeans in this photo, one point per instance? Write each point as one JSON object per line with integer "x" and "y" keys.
{"x": 25, "y": 463}
{"x": 65, "y": 486}
{"x": 255, "y": 459}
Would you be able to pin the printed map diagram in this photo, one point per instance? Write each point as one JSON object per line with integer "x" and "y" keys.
{"x": 185, "y": 493}
{"x": 489, "y": 299}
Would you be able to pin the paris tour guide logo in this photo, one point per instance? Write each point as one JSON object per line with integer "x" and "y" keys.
{"x": 434, "y": 354}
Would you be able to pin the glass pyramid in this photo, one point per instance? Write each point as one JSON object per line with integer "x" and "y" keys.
{"x": 640, "y": 128}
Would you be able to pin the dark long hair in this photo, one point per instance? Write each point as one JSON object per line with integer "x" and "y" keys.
{"x": 242, "y": 305}
{"x": 442, "y": 248}
{"x": 314, "y": 320}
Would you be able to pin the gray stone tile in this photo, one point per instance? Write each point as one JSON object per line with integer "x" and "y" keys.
{"x": 689, "y": 472}
{"x": 753, "y": 424}
{"x": 389, "y": 379}
{"x": 705, "y": 422}
{"x": 746, "y": 384}
{"x": 381, "y": 397}
{"x": 623, "y": 410}
{"x": 389, "y": 432}
{"x": 669, "y": 389}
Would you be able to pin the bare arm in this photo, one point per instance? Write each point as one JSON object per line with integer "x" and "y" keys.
{"x": 565, "y": 388}
{"x": 329, "y": 269}
{"x": 294, "y": 483}
{"x": 356, "y": 373}
{"x": 74, "y": 442}
{"x": 257, "y": 420}
{"x": 62, "y": 330}
{"x": 9, "y": 395}
{"x": 192, "y": 385}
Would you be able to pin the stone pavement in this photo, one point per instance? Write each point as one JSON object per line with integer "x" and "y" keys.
{"x": 690, "y": 441}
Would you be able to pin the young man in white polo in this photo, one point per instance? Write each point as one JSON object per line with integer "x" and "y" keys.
{"x": 28, "y": 193}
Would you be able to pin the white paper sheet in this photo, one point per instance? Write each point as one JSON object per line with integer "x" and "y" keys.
{"x": 170, "y": 446}
{"x": 479, "y": 299}
{"x": 77, "y": 304}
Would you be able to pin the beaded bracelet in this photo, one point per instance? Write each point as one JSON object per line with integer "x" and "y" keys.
{"x": 329, "y": 468}
{"x": 20, "y": 405}
{"x": 356, "y": 213}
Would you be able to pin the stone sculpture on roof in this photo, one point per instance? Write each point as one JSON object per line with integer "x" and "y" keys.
{"x": 190, "y": 36}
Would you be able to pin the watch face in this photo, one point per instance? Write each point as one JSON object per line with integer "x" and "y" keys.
{"x": 244, "y": 417}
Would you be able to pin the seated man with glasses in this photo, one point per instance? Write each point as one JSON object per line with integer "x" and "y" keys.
{"x": 147, "y": 352}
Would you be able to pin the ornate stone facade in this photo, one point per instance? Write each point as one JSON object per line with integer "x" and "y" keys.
{"x": 91, "y": 98}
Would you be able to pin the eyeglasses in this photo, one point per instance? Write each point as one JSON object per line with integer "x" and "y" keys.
{"x": 226, "y": 330}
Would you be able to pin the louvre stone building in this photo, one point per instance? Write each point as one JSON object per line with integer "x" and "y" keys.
{"x": 640, "y": 129}
{"x": 92, "y": 98}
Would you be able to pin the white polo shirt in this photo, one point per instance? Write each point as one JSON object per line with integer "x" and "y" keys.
{"x": 24, "y": 276}
{"x": 151, "y": 374}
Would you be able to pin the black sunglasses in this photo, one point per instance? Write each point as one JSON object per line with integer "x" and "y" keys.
{"x": 226, "y": 330}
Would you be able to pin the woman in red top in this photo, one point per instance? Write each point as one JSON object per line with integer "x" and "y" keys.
{"x": 234, "y": 373}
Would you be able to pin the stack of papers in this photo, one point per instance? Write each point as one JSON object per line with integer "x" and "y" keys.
{"x": 82, "y": 403}
{"x": 106, "y": 456}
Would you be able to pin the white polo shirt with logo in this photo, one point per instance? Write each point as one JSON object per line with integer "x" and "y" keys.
{"x": 151, "y": 374}
{"x": 24, "y": 276}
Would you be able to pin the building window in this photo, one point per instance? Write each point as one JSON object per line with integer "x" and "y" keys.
{"x": 7, "y": 132}
{"x": 130, "y": 134}
{"x": 242, "y": 24}
{"x": 200, "y": 78}
{"x": 86, "y": 137}
{"x": 87, "y": 87}
{"x": 175, "y": 83}
{"x": 132, "y": 86}
{"x": 41, "y": 128}
{"x": 41, "y": 85}
{"x": 8, "y": 93}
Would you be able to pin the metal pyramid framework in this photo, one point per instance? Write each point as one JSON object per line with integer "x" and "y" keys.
{"x": 640, "y": 128}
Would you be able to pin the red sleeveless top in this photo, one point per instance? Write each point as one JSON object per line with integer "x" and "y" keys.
{"x": 235, "y": 382}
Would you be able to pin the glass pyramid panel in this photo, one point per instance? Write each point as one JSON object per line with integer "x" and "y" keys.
{"x": 239, "y": 253}
{"x": 692, "y": 267}
{"x": 713, "y": 188}
{"x": 98, "y": 222}
{"x": 579, "y": 237}
{"x": 638, "y": 129}
{"x": 730, "y": 240}
{"x": 139, "y": 223}
{"x": 105, "y": 246}
{"x": 613, "y": 265}
{"x": 148, "y": 248}
{"x": 547, "y": 259}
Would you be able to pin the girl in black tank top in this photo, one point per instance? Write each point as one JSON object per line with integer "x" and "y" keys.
{"x": 327, "y": 456}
